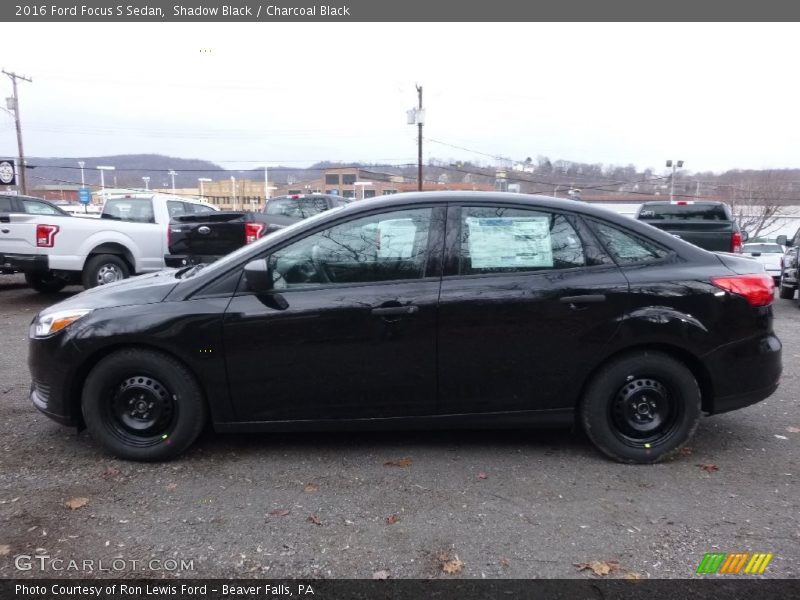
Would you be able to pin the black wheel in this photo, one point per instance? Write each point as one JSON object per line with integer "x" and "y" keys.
{"x": 785, "y": 292}
{"x": 45, "y": 283}
{"x": 641, "y": 408}
{"x": 143, "y": 405}
{"x": 102, "y": 269}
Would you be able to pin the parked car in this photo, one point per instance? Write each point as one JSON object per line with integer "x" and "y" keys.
{"x": 448, "y": 309}
{"x": 709, "y": 225}
{"x": 789, "y": 265}
{"x": 130, "y": 237}
{"x": 768, "y": 254}
{"x": 197, "y": 239}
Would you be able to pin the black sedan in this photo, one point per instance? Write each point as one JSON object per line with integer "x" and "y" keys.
{"x": 419, "y": 310}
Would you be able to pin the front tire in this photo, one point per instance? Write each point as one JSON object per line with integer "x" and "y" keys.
{"x": 641, "y": 408}
{"x": 143, "y": 405}
{"x": 102, "y": 269}
{"x": 45, "y": 283}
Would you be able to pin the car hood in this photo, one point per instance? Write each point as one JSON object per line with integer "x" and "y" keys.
{"x": 144, "y": 289}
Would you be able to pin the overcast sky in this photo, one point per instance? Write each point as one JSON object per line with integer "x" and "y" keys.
{"x": 718, "y": 96}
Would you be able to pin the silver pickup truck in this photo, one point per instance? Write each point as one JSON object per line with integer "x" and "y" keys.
{"x": 129, "y": 238}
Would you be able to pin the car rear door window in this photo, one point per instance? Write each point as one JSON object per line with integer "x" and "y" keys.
{"x": 6, "y": 205}
{"x": 627, "y": 248}
{"x": 503, "y": 240}
{"x": 38, "y": 208}
{"x": 383, "y": 247}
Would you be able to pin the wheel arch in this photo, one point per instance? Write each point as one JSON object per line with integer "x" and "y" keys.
{"x": 82, "y": 372}
{"x": 116, "y": 249}
{"x": 692, "y": 362}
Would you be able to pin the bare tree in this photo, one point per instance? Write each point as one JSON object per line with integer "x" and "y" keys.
{"x": 758, "y": 198}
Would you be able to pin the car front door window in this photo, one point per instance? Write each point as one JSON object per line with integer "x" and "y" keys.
{"x": 384, "y": 247}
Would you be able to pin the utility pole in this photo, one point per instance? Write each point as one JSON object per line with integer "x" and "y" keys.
{"x": 15, "y": 101}
{"x": 419, "y": 141}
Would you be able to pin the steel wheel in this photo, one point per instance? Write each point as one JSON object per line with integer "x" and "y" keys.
{"x": 109, "y": 273}
{"x": 141, "y": 411}
{"x": 644, "y": 412}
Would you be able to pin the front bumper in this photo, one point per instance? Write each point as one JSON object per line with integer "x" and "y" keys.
{"x": 52, "y": 375}
{"x": 24, "y": 263}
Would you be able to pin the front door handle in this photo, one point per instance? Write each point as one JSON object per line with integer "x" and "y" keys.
{"x": 584, "y": 299}
{"x": 390, "y": 311}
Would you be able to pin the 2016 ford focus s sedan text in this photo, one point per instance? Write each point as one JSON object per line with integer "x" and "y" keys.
{"x": 420, "y": 310}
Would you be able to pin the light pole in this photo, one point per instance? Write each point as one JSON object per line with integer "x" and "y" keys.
{"x": 363, "y": 185}
{"x": 675, "y": 165}
{"x": 172, "y": 174}
{"x": 201, "y": 180}
{"x": 102, "y": 169}
{"x": 81, "y": 164}
{"x": 146, "y": 180}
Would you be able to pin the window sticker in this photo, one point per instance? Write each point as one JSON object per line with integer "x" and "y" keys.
{"x": 510, "y": 242}
{"x": 397, "y": 238}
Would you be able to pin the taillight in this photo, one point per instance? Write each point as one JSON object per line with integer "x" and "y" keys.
{"x": 46, "y": 235}
{"x": 758, "y": 289}
{"x": 736, "y": 241}
{"x": 253, "y": 231}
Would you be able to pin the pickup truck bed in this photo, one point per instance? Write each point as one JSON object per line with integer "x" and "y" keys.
{"x": 197, "y": 239}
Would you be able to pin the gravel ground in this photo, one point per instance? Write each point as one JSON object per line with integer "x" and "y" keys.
{"x": 517, "y": 504}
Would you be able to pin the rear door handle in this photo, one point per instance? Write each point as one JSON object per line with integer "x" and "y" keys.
{"x": 389, "y": 311}
{"x": 584, "y": 299}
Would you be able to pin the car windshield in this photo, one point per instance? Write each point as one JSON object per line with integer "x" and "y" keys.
{"x": 684, "y": 212}
{"x": 232, "y": 258}
{"x": 299, "y": 208}
{"x": 763, "y": 248}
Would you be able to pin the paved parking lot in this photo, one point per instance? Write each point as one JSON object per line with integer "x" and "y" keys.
{"x": 478, "y": 504}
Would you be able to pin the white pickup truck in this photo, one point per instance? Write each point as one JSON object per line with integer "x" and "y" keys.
{"x": 129, "y": 238}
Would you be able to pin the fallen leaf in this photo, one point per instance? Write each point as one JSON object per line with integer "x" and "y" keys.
{"x": 600, "y": 568}
{"x": 380, "y": 575}
{"x": 482, "y": 475}
{"x": 279, "y": 512}
{"x": 709, "y": 468}
{"x": 76, "y": 503}
{"x": 5, "y": 549}
{"x": 793, "y": 429}
{"x": 451, "y": 567}
{"x": 685, "y": 451}
{"x": 632, "y": 575}
{"x": 781, "y": 437}
{"x": 110, "y": 471}
{"x": 313, "y": 518}
{"x": 392, "y": 519}
{"x": 311, "y": 488}
{"x": 398, "y": 462}
{"x": 172, "y": 486}
{"x": 504, "y": 562}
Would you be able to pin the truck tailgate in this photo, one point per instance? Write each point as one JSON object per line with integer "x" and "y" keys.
{"x": 18, "y": 233}
{"x": 711, "y": 235}
{"x": 211, "y": 234}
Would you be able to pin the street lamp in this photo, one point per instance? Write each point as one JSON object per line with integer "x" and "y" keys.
{"x": 201, "y": 180}
{"x": 675, "y": 165}
{"x": 172, "y": 174}
{"x": 363, "y": 185}
{"x": 102, "y": 169}
{"x": 146, "y": 183}
{"x": 81, "y": 164}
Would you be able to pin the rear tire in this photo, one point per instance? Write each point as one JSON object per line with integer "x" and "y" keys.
{"x": 45, "y": 283}
{"x": 143, "y": 405}
{"x": 101, "y": 269}
{"x": 641, "y": 408}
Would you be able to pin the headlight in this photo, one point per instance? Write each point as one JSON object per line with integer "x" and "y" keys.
{"x": 50, "y": 323}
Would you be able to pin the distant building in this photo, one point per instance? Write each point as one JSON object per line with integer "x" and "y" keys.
{"x": 56, "y": 193}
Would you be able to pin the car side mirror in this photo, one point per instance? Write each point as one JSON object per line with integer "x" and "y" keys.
{"x": 745, "y": 236}
{"x": 258, "y": 276}
{"x": 783, "y": 241}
